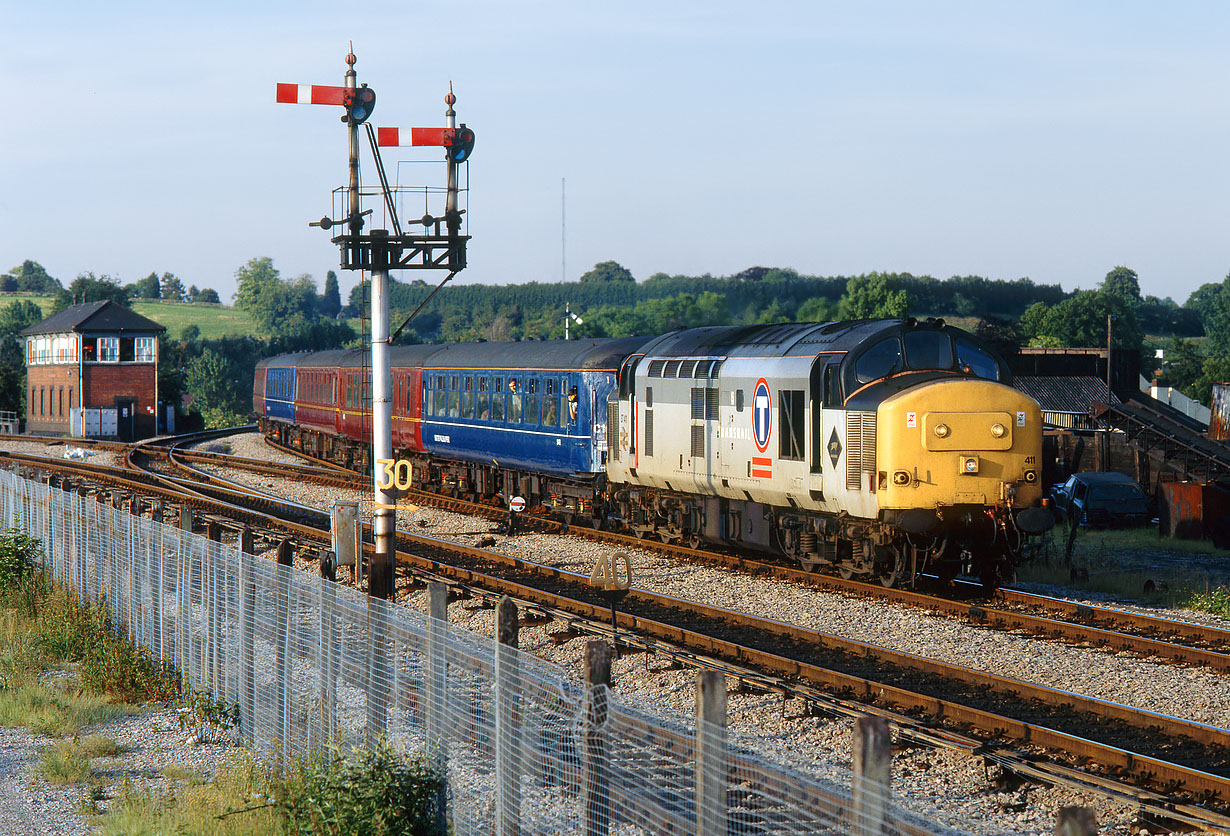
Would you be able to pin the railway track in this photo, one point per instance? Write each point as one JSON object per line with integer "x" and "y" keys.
{"x": 1184, "y": 765}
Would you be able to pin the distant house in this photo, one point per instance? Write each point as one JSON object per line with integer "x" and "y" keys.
{"x": 92, "y": 370}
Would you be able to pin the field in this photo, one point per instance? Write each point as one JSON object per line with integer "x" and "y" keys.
{"x": 213, "y": 320}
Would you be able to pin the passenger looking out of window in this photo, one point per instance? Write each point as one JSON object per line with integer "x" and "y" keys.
{"x": 514, "y": 402}
{"x": 572, "y": 405}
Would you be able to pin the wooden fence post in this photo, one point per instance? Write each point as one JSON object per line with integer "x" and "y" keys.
{"x": 328, "y": 664}
{"x": 211, "y": 587}
{"x": 595, "y": 763}
{"x": 508, "y": 757}
{"x": 282, "y": 625}
{"x": 711, "y": 755}
{"x": 437, "y": 672}
{"x": 247, "y": 641}
{"x": 872, "y": 775}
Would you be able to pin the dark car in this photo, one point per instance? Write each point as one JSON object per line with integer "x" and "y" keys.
{"x": 1102, "y": 499}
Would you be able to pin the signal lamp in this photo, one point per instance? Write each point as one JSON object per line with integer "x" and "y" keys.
{"x": 1031, "y": 476}
{"x": 941, "y": 430}
{"x": 998, "y": 430}
{"x": 901, "y": 477}
{"x": 969, "y": 464}
{"x": 461, "y": 145}
{"x": 359, "y": 104}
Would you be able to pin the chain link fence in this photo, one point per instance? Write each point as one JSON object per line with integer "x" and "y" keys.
{"x": 312, "y": 664}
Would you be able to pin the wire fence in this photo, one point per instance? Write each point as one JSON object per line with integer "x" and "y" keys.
{"x": 312, "y": 664}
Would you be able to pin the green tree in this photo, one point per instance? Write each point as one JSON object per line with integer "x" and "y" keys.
{"x": 331, "y": 300}
{"x": 213, "y": 381}
{"x": 207, "y": 295}
{"x": 90, "y": 288}
{"x": 875, "y": 296}
{"x": 1080, "y": 322}
{"x": 17, "y": 316}
{"x": 172, "y": 287}
{"x": 148, "y": 288}
{"x": 1212, "y": 303}
{"x": 817, "y": 309}
{"x": 608, "y": 271}
{"x": 29, "y": 277}
{"x": 1122, "y": 283}
{"x": 277, "y": 306}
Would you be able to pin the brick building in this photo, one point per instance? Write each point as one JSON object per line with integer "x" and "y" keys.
{"x": 92, "y": 370}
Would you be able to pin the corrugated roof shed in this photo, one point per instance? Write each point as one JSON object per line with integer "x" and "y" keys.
{"x": 1064, "y": 394}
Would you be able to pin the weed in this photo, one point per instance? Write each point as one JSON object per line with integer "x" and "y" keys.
{"x": 210, "y": 720}
{"x": 1216, "y": 601}
{"x": 65, "y": 762}
{"x": 367, "y": 792}
{"x": 234, "y": 803}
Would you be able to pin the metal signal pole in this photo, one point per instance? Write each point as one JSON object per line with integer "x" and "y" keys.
{"x": 377, "y": 252}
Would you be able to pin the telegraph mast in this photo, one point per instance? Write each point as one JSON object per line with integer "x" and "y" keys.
{"x": 441, "y": 245}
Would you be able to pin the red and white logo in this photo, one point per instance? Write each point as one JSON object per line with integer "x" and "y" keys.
{"x": 762, "y": 415}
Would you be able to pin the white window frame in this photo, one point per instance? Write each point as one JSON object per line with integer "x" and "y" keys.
{"x": 145, "y": 349}
{"x": 107, "y": 349}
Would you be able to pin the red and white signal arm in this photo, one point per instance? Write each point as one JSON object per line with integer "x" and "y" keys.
{"x": 517, "y": 503}
{"x": 393, "y": 137}
{"x": 310, "y": 94}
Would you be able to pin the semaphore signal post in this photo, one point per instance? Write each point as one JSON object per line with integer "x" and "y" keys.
{"x": 437, "y": 242}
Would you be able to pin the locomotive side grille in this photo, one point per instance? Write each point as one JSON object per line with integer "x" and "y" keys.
{"x": 860, "y": 448}
{"x": 612, "y": 428}
{"x": 672, "y": 369}
{"x": 648, "y": 432}
{"x": 698, "y": 404}
{"x": 698, "y": 440}
{"x": 711, "y": 404}
{"x": 686, "y": 368}
{"x": 702, "y": 368}
{"x": 655, "y": 367}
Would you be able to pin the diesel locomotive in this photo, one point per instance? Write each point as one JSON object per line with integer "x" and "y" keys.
{"x": 880, "y": 448}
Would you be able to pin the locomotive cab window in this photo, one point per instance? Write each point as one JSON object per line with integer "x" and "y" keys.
{"x": 928, "y": 350}
{"x": 879, "y": 361}
{"x": 790, "y": 405}
{"x": 977, "y": 361}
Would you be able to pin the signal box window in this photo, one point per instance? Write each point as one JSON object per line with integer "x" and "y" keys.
{"x": 108, "y": 349}
{"x": 790, "y": 418}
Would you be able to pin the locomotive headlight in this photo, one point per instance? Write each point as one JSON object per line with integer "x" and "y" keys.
{"x": 998, "y": 430}
{"x": 941, "y": 431}
{"x": 969, "y": 464}
{"x": 1031, "y": 476}
{"x": 901, "y": 477}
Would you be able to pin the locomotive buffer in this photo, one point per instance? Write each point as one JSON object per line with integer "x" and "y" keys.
{"x": 440, "y": 245}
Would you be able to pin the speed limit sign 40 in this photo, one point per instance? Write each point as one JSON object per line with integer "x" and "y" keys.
{"x": 517, "y": 503}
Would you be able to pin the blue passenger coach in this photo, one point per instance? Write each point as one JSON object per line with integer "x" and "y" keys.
{"x": 280, "y": 392}
{"x": 537, "y": 406}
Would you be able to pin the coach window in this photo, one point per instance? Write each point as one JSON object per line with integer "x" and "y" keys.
{"x": 514, "y": 400}
{"x": 738, "y": 400}
{"x": 550, "y": 403}
{"x": 529, "y": 404}
{"x": 467, "y": 397}
{"x": 454, "y": 397}
{"x": 497, "y": 400}
{"x": 484, "y": 398}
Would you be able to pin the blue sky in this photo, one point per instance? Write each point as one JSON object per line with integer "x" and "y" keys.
{"x": 1048, "y": 140}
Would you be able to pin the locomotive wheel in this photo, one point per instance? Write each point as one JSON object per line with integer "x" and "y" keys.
{"x": 845, "y": 570}
{"x": 895, "y": 566}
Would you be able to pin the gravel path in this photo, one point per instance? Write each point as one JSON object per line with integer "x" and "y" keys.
{"x": 949, "y": 788}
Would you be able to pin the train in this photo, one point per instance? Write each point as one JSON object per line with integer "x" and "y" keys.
{"x": 882, "y": 449}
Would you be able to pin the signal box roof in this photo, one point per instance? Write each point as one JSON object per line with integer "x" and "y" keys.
{"x": 100, "y": 317}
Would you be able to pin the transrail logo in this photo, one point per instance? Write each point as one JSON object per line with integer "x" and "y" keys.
{"x": 762, "y": 415}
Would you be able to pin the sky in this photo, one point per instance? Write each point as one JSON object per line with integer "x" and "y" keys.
{"x": 1049, "y": 140}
